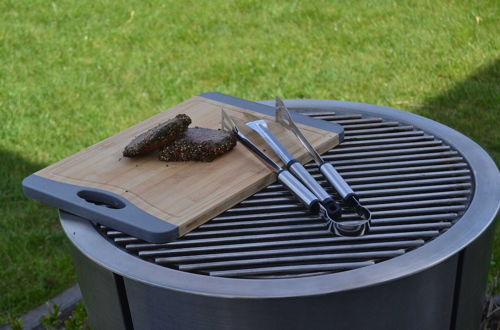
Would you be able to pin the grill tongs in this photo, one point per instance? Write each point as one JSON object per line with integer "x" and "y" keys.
{"x": 305, "y": 196}
{"x": 349, "y": 198}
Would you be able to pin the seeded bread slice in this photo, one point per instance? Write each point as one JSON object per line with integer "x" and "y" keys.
{"x": 198, "y": 144}
{"x": 157, "y": 136}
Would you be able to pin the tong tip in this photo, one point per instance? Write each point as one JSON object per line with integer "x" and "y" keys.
{"x": 279, "y": 102}
{"x": 227, "y": 122}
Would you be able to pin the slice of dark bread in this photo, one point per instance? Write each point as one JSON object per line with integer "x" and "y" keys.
{"x": 157, "y": 136}
{"x": 199, "y": 144}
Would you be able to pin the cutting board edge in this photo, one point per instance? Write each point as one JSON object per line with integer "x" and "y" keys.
{"x": 270, "y": 111}
{"x": 127, "y": 218}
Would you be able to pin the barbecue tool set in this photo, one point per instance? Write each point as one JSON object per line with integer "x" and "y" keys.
{"x": 299, "y": 181}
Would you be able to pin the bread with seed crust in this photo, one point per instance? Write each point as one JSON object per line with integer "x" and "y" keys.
{"x": 157, "y": 136}
{"x": 198, "y": 144}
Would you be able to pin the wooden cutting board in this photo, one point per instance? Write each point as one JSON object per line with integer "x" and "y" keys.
{"x": 159, "y": 201}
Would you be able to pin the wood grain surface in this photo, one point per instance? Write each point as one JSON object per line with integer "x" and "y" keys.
{"x": 185, "y": 194}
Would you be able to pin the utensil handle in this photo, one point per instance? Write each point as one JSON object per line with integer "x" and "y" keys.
{"x": 307, "y": 179}
{"x": 299, "y": 190}
{"x": 333, "y": 209}
{"x": 336, "y": 180}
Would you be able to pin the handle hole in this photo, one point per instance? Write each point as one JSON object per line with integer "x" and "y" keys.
{"x": 101, "y": 199}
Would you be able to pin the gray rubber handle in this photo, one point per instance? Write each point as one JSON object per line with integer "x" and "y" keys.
{"x": 299, "y": 190}
{"x": 100, "y": 206}
{"x": 336, "y": 180}
{"x": 300, "y": 172}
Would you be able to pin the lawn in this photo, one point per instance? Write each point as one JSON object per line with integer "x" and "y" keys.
{"x": 75, "y": 72}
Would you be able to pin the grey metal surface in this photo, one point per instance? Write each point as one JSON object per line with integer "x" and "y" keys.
{"x": 272, "y": 235}
{"x": 470, "y": 286}
{"x": 423, "y": 301}
{"x": 101, "y": 294}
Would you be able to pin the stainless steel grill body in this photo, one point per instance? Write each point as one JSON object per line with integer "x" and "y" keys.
{"x": 268, "y": 263}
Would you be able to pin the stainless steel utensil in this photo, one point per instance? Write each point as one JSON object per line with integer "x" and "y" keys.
{"x": 349, "y": 197}
{"x": 285, "y": 177}
{"x": 296, "y": 168}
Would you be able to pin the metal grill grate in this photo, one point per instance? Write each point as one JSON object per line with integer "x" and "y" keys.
{"x": 415, "y": 185}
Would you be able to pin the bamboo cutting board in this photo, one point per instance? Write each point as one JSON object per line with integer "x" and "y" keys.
{"x": 159, "y": 201}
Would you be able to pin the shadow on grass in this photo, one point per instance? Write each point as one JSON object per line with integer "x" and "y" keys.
{"x": 472, "y": 107}
{"x": 12, "y": 200}
{"x": 36, "y": 263}
{"x": 15, "y": 168}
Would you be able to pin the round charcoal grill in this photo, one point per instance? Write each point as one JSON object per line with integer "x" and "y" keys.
{"x": 269, "y": 263}
{"x": 415, "y": 184}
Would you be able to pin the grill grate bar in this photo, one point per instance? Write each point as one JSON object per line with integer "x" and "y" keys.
{"x": 428, "y": 175}
{"x": 300, "y": 221}
{"x": 376, "y": 228}
{"x": 384, "y": 141}
{"x": 262, "y": 216}
{"x": 256, "y": 230}
{"x": 413, "y": 190}
{"x": 434, "y": 181}
{"x": 142, "y": 248}
{"x": 385, "y": 146}
{"x": 301, "y": 235}
{"x": 352, "y": 137}
{"x": 400, "y": 170}
{"x": 368, "y": 186}
{"x": 349, "y": 122}
{"x": 356, "y": 126}
{"x": 261, "y": 262}
{"x": 358, "y": 120}
{"x": 339, "y": 161}
{"x": 319, "y": 226}
{"x": 399, "y": 164}
{"x": 421, "y": 211}
{"x": 414, "y": 197}
{"x": 335, "y": 157}
{"x": 371, "y": 131}
{"x": 415, "y": 219}
{"x": 333, "y": 117}
{"x": 412, "y": 204}
{"x": 257, "y": 209}
{"x": 269, "y": 209}
{"x": 364, "y": 247}
{"x": 406, "y": 190}
{"x": 284, "y": 196}
{"x": 292, "y": 269}
{"x": 256, "y": 223}
{"x": 312, "y": 113}
{"x": 259, "y": 212}
{"x": 401, "y": 177}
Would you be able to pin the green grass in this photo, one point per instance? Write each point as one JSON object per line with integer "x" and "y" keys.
{"x": 75, "y": 72}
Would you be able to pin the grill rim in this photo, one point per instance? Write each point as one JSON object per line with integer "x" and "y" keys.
{"x": 483, "y": 206}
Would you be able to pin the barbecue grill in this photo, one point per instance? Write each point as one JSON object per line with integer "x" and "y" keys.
{"x": 267, "y": 263}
